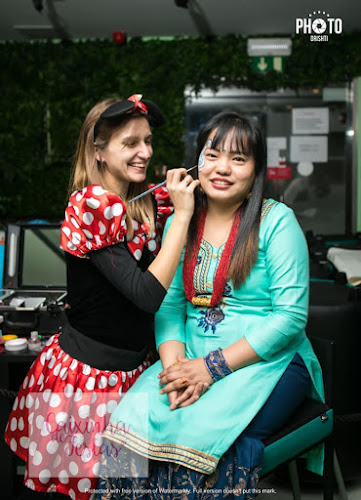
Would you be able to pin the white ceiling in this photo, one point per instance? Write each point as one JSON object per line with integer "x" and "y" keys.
{"x": 99, "y": 18}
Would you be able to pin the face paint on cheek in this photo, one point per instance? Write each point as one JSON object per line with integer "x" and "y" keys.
{"x": 201, "y": 159}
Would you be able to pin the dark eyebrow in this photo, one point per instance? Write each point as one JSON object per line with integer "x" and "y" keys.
{"x": 238, "y": 153}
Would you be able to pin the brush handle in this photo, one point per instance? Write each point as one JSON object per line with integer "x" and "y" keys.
{"x": 154, "y": 188}
{"x": 147, "y": 191}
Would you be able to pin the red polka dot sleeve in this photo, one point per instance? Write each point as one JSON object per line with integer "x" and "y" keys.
{"x": 94, "y": 219}
{"x": 164, "y": 207}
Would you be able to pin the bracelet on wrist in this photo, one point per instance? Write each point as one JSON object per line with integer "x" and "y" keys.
{"x": 217, "y": 365}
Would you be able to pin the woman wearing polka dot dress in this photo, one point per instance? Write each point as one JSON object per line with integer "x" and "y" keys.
{"x": 115, "y": 285}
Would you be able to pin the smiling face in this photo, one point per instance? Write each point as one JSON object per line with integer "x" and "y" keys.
{"x": 126, "y": 157}
{"x": 228, "y": 172}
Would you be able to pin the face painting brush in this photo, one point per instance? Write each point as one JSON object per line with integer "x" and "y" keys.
{"x": 155, "y": 187}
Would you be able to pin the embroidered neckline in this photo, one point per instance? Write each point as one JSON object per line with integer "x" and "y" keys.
{"x": 220, "y": 277}
{"x": 203, "y": 261}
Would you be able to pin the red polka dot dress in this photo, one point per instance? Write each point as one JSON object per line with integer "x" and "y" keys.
{"x": 64, "y": 404}
{"x": 96, "y": 219}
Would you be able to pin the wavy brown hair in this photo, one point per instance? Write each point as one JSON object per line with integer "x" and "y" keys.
{"x": 248, "y": 138}
{"x": 85, "y": 165}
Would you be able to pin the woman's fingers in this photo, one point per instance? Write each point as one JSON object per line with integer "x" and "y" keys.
{"x": 191, "y": 392}
{"x": 187, "y": 180}
{"x": 197, "y": 393}
{"x": 172, "y": 376}
{"x": 178, "y": 177}
{"x": 172, "y": 397}
{"x": 173, "y": 367}
{"x": 180, "y": 188}
{"x": 186, "y": 394}
{"x": 168, "y": 376}
{"x": 192, "y": 185}
{"x": 175, "y": 175}
{"x": 179, "y": 383}
{"x": 172, "y": 372}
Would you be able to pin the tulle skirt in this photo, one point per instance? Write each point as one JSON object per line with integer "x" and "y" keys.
{"x": 58, "y": 417}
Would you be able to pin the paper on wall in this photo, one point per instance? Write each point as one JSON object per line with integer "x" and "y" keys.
{"x": 309, "y": 148}
{"x": 310, "y": 121}
{"x": 274, "y": 146}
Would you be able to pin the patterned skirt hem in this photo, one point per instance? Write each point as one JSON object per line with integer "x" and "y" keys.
{"x": 182, "y": 455}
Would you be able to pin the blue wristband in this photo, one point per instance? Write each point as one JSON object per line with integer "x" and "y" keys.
{"x": 217, "y": 365}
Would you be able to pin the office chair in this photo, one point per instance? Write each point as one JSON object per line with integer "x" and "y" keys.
{"x": 309, "y": 426}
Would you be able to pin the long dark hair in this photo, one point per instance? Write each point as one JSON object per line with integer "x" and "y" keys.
{"x": 247, "y": 137}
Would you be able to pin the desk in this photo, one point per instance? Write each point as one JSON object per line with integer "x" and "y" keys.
{"x": 13, "y": 368}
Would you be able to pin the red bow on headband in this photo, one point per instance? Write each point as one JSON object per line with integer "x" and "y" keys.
{"x": 136, "y": 98}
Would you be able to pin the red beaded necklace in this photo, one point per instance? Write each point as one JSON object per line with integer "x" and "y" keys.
{"x": 221, "y": 273}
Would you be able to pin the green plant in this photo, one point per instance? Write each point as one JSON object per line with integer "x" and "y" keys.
{"x": 47, "y": 89}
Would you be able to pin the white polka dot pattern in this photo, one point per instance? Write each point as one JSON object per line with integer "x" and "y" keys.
{"x": 88, "y": 234}
{"x": 96, "y": 218}
{"x": 90, "y": 384}
{"x": 73, "y": 468}
{"x": 93, "y": 203}
{"x": 102, "y": 383}
{"x": 152, "y": 245}
{"x": 117, "y": 209}
{"x": 84, "y": 411}
{"x": 13, "y": 424}
{"x": 24, "y": 442}
{"x": 44, "y": 476}
{"x": 21, "y": 424}
{"x": 74, "y": 222}
{"x": 57, "y": 420}
{"x": 137, "y": 254}
{"x": 98, "y": 191}
{"x": 93, "y": 214}
{"x": 38, "y": 458}
{"x": 88, "y": 218}
{"x": 52, "y": 447}
{"x": 102, "y": 228}
{"x": 76, "y": 238}
{"x": 66, "y": 230}
{"x": 57, "y": 461}
{"x": 63, "y": 477}
{"x": 84, "y": 484}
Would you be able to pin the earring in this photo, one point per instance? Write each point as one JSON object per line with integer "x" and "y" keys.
{"x": 249, "y": 195}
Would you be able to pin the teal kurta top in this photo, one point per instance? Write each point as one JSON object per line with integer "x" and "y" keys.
{"x": 269, "y": 310}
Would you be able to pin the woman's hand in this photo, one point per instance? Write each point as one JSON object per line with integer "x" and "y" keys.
{"x": 172, "y": 398}
{"x": 183, "y": 374}
{"x": 187, "y": 396}
{"x": 181, "y": 188}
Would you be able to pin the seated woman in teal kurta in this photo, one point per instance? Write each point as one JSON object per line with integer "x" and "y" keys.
{"x": 235, "y": 360}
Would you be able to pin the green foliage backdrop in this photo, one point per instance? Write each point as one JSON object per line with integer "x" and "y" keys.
{"x": 47, "y": 89}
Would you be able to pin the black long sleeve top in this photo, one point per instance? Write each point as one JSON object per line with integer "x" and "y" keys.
{"x": 112, "y": 299}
